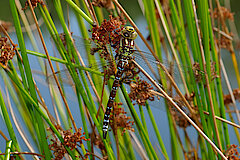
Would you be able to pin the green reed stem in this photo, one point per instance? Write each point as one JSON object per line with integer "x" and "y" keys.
{"x": 145, "y": 126}
{"x": 84, "y": 122}
{"x": 8, "y": 124}
{"x": 196, "y": 51}
{"x": 91, "y": 58}
{"x": 218, "y": 83}
{"x": 8, "y": 150}
{"x": 1, "y": 156}
{"x": 35, "y": 105}
{"x": 71, "y": 48}
{"x": 236, "y": 130}
{"x": 124, "y": 153}
{"x": 152, "y": 22}
{"x": 142, "y": 117}
{"x": 160, "y": 141}
{"x": 21, "y": 104}
{"x": 40, "y": 129}
{"x": 128, "y": 146}
{"x": 208, "y": 90}
{"x": 138, "y": 123}
{"x": 79, "y": 11}
{"x": 90, "y": 106}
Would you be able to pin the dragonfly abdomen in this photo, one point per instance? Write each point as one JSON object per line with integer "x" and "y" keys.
{"x": 121, "y": 65}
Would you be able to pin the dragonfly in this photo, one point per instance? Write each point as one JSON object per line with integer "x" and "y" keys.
{"x": 126, "y": 50}
{"x": 122, "y": 58}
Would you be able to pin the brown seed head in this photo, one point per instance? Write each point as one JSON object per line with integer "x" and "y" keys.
{"x": 141, "y": 91}
{"x": 34, "y": 4}
{"x": 120, "y": 119}
{"x": 7, "y": 51}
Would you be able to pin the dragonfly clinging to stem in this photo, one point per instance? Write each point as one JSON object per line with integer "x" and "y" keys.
{"x": 125, "y": 53}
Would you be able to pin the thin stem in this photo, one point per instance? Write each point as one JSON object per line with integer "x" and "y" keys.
{"x": 78, "y": 10}
{"x": 180, "y": 110}
{"x": 224, "y": 120}
{"x": 51, "y": 66}
{"x": 171, "y": 46}
{"x": 204, "y": 57}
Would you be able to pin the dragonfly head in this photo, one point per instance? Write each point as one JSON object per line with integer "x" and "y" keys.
{"x": 129, "y": 33}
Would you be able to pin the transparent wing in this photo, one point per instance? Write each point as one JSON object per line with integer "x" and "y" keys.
{"x": 97, "y": 66}
{"x": 145, "y": 59}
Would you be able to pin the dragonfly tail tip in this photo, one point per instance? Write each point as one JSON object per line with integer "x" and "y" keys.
{"x": 104, "y": 134}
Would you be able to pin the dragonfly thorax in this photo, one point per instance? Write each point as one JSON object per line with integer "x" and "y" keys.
{"x": 127, "y": 44}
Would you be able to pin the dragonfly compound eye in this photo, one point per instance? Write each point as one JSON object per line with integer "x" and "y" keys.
{"x": 129, "y": 32}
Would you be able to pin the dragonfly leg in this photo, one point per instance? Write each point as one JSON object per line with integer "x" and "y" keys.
{"x": 126, "y": 80}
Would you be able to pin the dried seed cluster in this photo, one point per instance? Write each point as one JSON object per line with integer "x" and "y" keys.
{"x": 7, "y": 51}
{"x": 63, "y": 38}
{"x": 58, "y": 149}
{"x": 6, "y": 25}
{"x": 179, "y": 119}
{"x": 109, "y": 71}
{"x": 120, "y": 119}
{"x": 141, "y": 91}
{"x": 104, "y": 4}
{"x": 197, "y": 72}
{"x": 226, "y": 14}
{"x": 108, "y": 33}
{"x": 232, "y": 152}
{"x": 228, "y": 99}
{"x": 97, "y": 141}
{"x": 71, "y": 140}
{"x": 223, "y": 41}
{"x": 34, "y": 4}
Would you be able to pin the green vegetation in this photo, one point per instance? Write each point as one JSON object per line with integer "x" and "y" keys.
{"x": 190, "y": 35}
